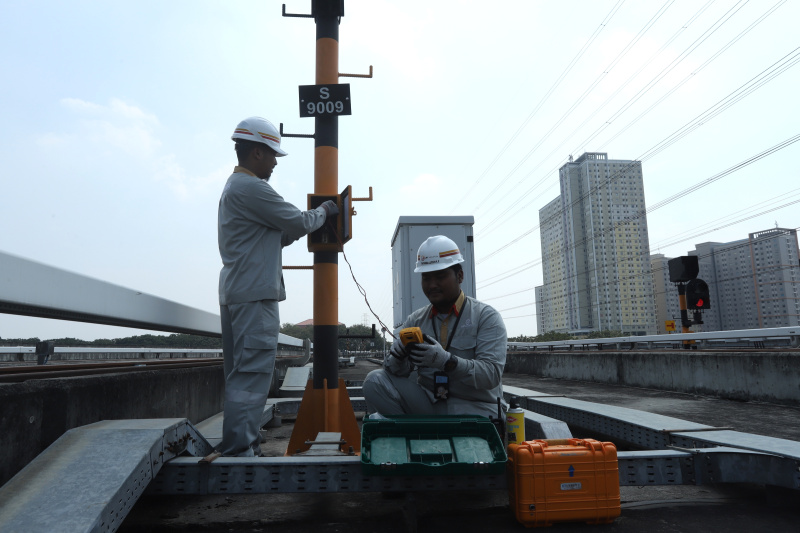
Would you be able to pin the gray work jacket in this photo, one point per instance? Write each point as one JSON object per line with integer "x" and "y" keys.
{"x": 479, "y": 343}
{"x": 253, "y": 224}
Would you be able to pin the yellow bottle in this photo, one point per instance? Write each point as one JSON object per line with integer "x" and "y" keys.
{"x": 515, "y": 423}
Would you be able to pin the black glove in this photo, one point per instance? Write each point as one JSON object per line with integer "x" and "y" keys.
{"x": 398, "y": 350}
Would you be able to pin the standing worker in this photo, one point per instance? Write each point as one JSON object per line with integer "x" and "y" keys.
{"x": 254, "y": 224}
{"x": 459, "y": 366}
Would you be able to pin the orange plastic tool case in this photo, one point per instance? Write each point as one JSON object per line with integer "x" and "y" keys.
{"x": 563, "y": 480}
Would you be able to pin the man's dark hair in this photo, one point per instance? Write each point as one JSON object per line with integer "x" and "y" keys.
{"x": 457, "y": 268}
{"x": 244, "y": 148}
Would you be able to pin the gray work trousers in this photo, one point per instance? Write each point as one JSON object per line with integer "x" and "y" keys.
{"x": 249, "y": 346}
{"x": 388, "y": 394}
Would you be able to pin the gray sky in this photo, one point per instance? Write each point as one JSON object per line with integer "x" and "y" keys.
{"x": 117, "y": 119}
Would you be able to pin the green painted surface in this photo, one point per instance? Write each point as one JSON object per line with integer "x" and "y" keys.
{"x": 389, "y": 450}
{"x": 472, "y": 450}
{"x": 431, "y": 450}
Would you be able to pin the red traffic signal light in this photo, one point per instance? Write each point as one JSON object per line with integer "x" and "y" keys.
{"x": 697, "y": 296}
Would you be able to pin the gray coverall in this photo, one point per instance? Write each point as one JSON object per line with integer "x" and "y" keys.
{"x": 480, "y": 345}
{"x": 254, "y": 224}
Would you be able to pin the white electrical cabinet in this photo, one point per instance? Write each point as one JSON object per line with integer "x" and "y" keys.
{"x": 410, "y": 233}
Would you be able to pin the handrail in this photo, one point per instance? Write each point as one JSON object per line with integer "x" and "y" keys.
{"x": 31, "y": 288}
{"x": 791, "y": 333}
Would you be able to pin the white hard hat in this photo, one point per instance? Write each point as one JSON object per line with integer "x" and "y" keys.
{"x": 259, "y": 130}
{"x": 437, "y": 253}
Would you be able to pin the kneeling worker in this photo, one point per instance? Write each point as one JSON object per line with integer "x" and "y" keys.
{"x": 459, "y": 367}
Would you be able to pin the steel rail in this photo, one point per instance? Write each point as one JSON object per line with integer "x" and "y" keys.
{"x": 90, "y": 366}
{"x": 20, "y": 374}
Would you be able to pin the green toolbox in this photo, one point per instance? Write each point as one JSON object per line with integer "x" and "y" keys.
{"x": 431, "y": 445}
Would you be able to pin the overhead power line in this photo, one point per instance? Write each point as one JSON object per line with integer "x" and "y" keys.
{"x": 544, "y": 99}
{"x": 493, "y": 224}
{"x": 580, "y": 99}
{"x": 725, "y": 221}
{"x": 669, "y": 68}
{"x": 745, "y": 89}
{"x": 695, "y": 72}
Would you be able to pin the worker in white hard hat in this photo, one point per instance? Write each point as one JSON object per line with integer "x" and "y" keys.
{"x": 254, "y": 224}
{"x": 458, "y": 368}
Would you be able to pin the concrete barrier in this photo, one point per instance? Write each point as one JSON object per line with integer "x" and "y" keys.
{"x": 766, "y": 376}
{"x": 35, "y": 413}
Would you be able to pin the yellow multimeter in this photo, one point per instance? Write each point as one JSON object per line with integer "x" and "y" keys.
{"x": 409, "y": 335}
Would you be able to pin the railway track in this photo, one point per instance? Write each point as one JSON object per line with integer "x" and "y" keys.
{"x": 17, "y": 374}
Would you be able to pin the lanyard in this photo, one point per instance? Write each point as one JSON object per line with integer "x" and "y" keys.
{"x": 452, "y": 333}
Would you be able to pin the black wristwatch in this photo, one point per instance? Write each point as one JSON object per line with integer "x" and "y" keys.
{"x": 451, "y": 363}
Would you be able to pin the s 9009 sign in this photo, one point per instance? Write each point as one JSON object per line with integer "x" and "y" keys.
{"x": 325, "y": 100}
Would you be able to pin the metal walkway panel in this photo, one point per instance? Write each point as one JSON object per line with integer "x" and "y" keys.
{"x": 230, "y": 475}
{"x": 294, "y": 384}
{"x": 260, "y": 475}
{"x": 290, "y": 406}
{"x": 89, "y": 479}
{"x": 211, "y": 428}
{"x": 648, "y": 430}
{"x": 745, "y": 441}
{"x": 543, "y": 427}
{"x": 735, "y": 465}
{"x": 656, "y": 467}
{"x": 509, "y": 391}
{"x": 745, "y": 457}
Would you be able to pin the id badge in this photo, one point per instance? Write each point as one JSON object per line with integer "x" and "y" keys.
{"x": 441, "y": 385}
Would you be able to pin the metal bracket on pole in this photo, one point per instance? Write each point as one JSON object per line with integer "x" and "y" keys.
{"x": 369, "y": 199}
{"x": 301, "y": 135}
{"x": 343, "y": 75}
{"x": 285, "y": 14}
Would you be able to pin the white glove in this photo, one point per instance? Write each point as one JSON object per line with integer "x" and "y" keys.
{"x": 398, "y": 350}
{"x": 330, "y": 208}
{"x": 430, "y": 354}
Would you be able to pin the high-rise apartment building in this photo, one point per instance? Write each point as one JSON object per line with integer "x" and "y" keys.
{"x": 595, "y": 250}
{"x": 666, "y": 305}
{"x": 753, "y": 282}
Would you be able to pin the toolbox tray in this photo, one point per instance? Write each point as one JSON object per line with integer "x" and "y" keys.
{"x": 410, "y": 445}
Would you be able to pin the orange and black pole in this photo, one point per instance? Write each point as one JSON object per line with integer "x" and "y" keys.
{"x": 326, "y": 405}
{"x": 326, "y": 182}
